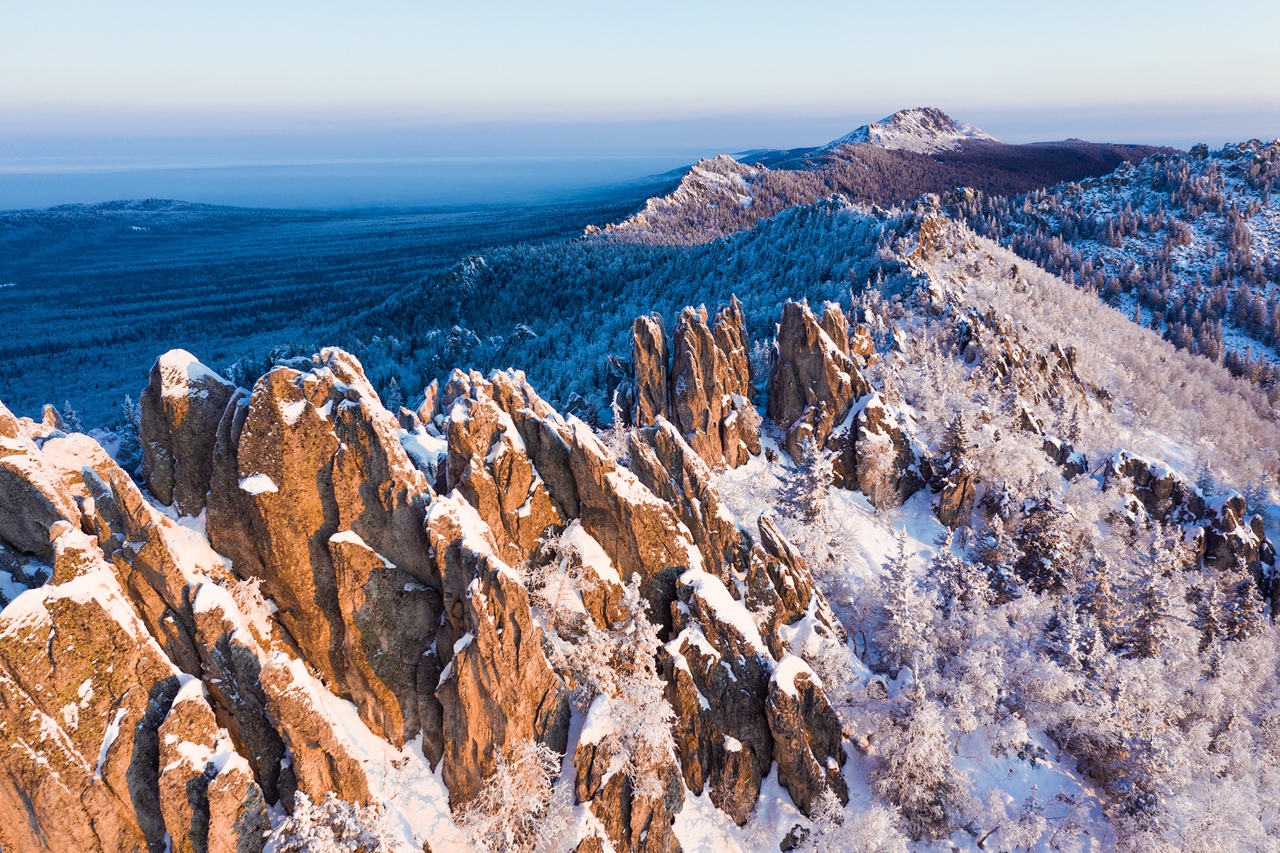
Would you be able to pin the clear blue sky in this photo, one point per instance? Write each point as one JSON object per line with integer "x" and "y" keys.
{"x": 287, "y": 79}
{"x": 268, "y": 61}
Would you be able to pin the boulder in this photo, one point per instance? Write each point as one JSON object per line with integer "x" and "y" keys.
{"x": 181, "y": 408}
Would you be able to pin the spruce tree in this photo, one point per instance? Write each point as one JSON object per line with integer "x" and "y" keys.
{"x": 1044, "y": 561}
{"x": 71, "y": 418}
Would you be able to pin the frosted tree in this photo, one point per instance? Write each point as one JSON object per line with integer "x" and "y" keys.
{"x": 956, "y": 443}
{"x": 906, "y": 625}
{"x": 71, "y": 418}
{"x": 394, "y": 397}
{"x": 1207, "y": 608}
{"x": 962, "y": 587}
{"x": 1098, "y": 599}
{"x": 999, "y": 555}
{"x": 556, "y": 579}
{"x": 1045, "y": 559}
{"x": 1152, "y": 595}
{"x": 641, "y": 714}
{"x": 1244, "y": 615}
{"x": 915, "y": 773}
{"x": 873, "y": 831}
{"x": 332, "y": 826}
{"x": 129, "y": 425}
{"x": 619, "y": 667}
{"x": 517, "y": 809}
{"x": 812, "y": 482}
{"x": 1030, "y": 825}
{"x": 1066, "y": 640}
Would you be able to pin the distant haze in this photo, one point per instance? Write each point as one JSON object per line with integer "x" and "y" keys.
{"x": 296, "y": 103}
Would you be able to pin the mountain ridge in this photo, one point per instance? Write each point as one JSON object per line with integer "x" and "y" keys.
{"x": 923, "y": 130}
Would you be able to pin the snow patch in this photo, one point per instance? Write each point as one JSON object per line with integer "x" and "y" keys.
{"x": 258, "y": 484}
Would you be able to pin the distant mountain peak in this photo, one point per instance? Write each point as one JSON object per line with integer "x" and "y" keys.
{"x": 924, "y": 130}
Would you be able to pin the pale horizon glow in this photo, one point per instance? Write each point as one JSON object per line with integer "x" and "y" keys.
{"x": 99, "y": 88}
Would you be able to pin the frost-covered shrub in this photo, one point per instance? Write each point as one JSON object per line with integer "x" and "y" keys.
{"x": 518, "y": 809}
{"x": 332, "y": 826}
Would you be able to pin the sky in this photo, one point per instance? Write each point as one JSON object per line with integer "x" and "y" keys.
{"x": 96, "y": 85}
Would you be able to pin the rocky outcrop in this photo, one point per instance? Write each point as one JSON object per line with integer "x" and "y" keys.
{"x": 992, "y": 342}
{"x": 487, "y": 463}
{"x": 639, "y": 531}
{"x": 181, "y": 407}
{"x": 201, "y": 813}
{"x": 875, "y": 453}
{"x": 388, "y": 618}
{"x": 718, "y": 668}
{"x": 349, "y": 578}
{"x": 1072, "y": 462}
{"x": 711, "y": 386}
{"x": 31, "y": 504}
{"x": 780, "y": 585}
{"x": 649, "y": 361}
{"x": 705, "y": 391}
{"x": 315, "y": 454}
{"x": 807, "y": 735}
{"x": 814, "y": 382}
{"x": 957, "y": 494}
{"x": 670, "y": 468}
{"x": 639, "y": 820}
{"x": 98, "y": 729}
{"x": 731, "y": 722}
{"x": 1225, "y": 538}
{"x": 497, "y": 687}
{"x": 1163, "y": 492}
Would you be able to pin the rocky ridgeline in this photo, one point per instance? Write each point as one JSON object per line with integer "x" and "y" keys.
{"x": 177, "y": 686}
{"x": 163, "y": 688}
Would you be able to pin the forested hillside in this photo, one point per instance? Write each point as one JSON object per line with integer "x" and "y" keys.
{"x": 1186, "y": 244}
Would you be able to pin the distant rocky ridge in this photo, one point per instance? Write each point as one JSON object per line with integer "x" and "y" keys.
{"x": 354, "y": 612}
{"x": 924, "y": 130}
{"x": 885, "y": 163}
